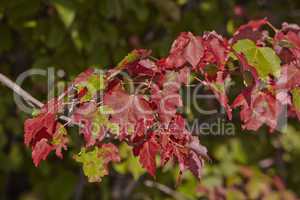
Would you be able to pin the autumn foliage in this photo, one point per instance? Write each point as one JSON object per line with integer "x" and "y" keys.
{"x": 107, "y": 112}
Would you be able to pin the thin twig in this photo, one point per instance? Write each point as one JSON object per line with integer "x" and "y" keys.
{"x": 272, "y": 27}
{"x": 114, "y": 73}
{"x": 18, "y": 90}
{"x": 165, "y": 189}
{"x": 27, "y": 97}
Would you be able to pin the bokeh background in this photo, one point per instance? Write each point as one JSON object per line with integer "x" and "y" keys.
{"x": 75, "y": 34}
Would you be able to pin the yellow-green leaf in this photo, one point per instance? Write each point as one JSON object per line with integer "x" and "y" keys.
{"x": 263, "y": 59}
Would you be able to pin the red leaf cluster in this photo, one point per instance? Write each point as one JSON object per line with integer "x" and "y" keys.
{"x": 44, "y": 134}
{"x": 147, "y": 118}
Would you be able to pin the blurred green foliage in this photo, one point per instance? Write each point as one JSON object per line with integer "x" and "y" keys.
{"x": 74, "y": 34}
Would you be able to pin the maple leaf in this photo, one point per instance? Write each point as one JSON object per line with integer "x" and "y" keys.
{"x": 45, "y": 115}
{"x": 176, "y": 142}
{"x": 167, "y": 99}
{"x": 44, "y": 129}
{"x": 286, "y": 27}
{"x": 95, "y": 163}
{"x": 185, "y": 49}
{"x": 250, "y": 31}
{"x": 289, "y": 77}
{"x": 194, "y": 160}
{"x": 216, "y": 50}
{"x": 195, "y": 145}
{"x": 95, "y": 124}
{"x": 40, "y": 132}
{"x": 187, "y": 158}
{"x": 287, "y": 43}
{"x": 84, "y": 76}
{"x": 147, "y": 153}
{"x": 218, "y": 87}
{"x": 59, "y": 140}
{"x": 294, "y": 38}
{"x": 144, "y": 67}
{"x": 172, "y": 147}
{"x": 263, "y": 109}
{"x": 166, "y": 152}
{"x": 127, "y": 109}
{"x": 254, "y": 24}
{"x": 195, "y": 164}
{"x": 216, "y": 54}
{"x": 41, "y": 151}
{"x": 178, "y": 129}
{"x": 182, "y": 155}
{"x": 172, "y": 137}
{"x": 141, "y": 130}
{"x": 263, "y": 59}
{"x": 43, "y": 126}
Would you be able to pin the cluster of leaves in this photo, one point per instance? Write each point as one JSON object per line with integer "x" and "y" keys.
{"x": 148, "y": 119}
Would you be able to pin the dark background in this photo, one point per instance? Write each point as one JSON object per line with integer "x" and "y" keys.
{"x": 75, "y": 34}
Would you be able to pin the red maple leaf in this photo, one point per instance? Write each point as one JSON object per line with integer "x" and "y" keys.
{"x": 85, "y": 115}
{"x": 84, "y": 76}
{"x": 41, "y": 151}
{"x": 43, "y": 126}
{"x": 44, "y": 142}
{"x": 287, "y": 43}
{"x": 263, "y": 109}
{"x": 190, "y": 159}
{"x": 286, "y": 27}
{"x": 42, "y": 130}
{"x": 217, "y": 86}
{"x": 200, "y": 150}
{"x": 127, "y": 109}
{"x": 172, "y": 137}
{"x": 167, "y": 99}
{"x": 216, "y": 50}
{"x": 178, "y": 143}
{"x": 289, "y": 77}
{"x": 185, "y": 49}
{"x": 59, "y": 140}
{"x": 143, "y": 67}
{"x": 254, "y": 24}
{"x": 147, "y": 154}
{"x": 250, "y": 31}
{"x": 195, "y": 164}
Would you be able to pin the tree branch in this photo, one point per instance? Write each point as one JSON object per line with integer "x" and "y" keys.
{"x": 18, "y": 90}
{"x": 27, "y": 97}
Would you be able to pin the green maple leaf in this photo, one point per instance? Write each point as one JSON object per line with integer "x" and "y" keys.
{"x": 95, "y": 162}
{"x": 263, "y": 59}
